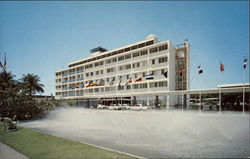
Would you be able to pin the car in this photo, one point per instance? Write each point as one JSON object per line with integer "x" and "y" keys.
{"x": 124, "y": 107}
{"x": 136, "y": 107}
{"x": 99, "y": 106}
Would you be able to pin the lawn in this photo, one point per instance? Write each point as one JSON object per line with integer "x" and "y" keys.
{"x": 36, "y": 145}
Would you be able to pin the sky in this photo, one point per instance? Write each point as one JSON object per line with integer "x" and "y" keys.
{"x": 43, "y": 37}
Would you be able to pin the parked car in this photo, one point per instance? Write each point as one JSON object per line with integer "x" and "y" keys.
{"x": 99, "y": 106}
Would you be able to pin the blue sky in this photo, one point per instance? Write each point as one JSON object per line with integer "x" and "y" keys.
{"x": 42, "y": 37}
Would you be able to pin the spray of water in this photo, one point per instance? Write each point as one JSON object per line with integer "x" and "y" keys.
{"x": 153, "y": 134}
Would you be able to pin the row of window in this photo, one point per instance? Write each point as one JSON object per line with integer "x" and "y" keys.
{"x": 128, "y": 87}
{"x": 120, "y": 58}
{"x": 124, "y": 77}
{"x": 115, "y": 52}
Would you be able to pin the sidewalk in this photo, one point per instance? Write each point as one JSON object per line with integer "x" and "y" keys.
{"x": 7, "y": 152}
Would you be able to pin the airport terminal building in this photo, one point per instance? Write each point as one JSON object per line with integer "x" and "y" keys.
{"x": 140, "y": 73}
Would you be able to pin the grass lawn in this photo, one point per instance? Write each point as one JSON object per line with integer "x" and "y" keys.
{"x": 36, "y": 145}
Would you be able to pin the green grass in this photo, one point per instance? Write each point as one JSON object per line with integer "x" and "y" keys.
{"x": 36, "y": 145}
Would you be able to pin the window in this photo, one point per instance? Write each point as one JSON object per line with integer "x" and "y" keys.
{"x": 128, "y": 56}
{"x": 153, "y": 50}
{"x": 108, "y": 61}
{"x": 128, "y": 86}
{"x": 96, "y": 89}
{"x": 120, "y": 58}
{"x": 127, "y": 49}
{"x": 138, "y": 64}
{"x": 114, "y": 60}
{"x": 127, "y": 76}
{"x": 143, "y": 74}
{"x": 87, "y": 74}
{"x": 120, "y": 68}
{"x": 135, "y": 75}
{"x": 163, "y": 84}
{"x": 150, "y": 42}
{"x": 162, "y": 71}
{"x": 153, "y": 61}
{"x": 101, "y": 63}
{"x": 144, "y": 85}
{"x": 144, "y": 52}
{"x": 163, "y": 59}
{"x": 101, "y": 71}
{"x": 136, "y": 54}
{"x": 136, "y": 86}
{"x": 152, "y": 85}
{"x": 97, "y": 73}
{"x": 127, "y": 66}
{"x": 163, "y": 47}
{"x": 141, "y": 45}
{"x": 91, "y": 73}
{"x": 107, "y": 79}
{"x": 96, "y": 64}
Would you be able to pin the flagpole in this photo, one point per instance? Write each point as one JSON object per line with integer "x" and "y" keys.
{"x": 220, "y": 92}
{"x": 243, "y": 107}
{"x": 200, "y": 96}
{"x": 182, "y": 92}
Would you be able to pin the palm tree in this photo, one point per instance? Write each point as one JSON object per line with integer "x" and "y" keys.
{"x": 31, "y": 83}
{"x": 6, "y": 80}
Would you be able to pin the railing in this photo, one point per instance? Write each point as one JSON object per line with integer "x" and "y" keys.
{"x": 79, "y": 79}
{"x": 164, "y": 64}
{"x": 80, "y": 71}
{"x": 64, "y": 81}
{"x": 72, "y": 80}
{"x": 164, "y": 52}
{"x": 66, "y": 74}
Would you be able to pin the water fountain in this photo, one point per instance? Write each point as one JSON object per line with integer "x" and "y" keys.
{"x": 153, "y": 134}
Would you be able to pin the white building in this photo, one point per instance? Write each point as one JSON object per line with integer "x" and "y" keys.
{"x": 144, "y": 72}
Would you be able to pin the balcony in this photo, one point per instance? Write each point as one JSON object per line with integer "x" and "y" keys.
{"x": 71, "y": 73}
{"x": 164, "y": 64}
{"x": 79, "y": 79}
{"x": 72, "y": 80}
{"x": 65, "y": 74}
{"x": 164, "y": 52}
{"x": 64, "y": 81}
{"x": 80, "y": 71}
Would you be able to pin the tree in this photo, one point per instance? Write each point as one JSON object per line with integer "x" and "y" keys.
{"x": 31, "y": 83}
{"x": 6, "y": 80}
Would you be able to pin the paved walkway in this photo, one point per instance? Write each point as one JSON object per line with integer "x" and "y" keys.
{"x": 7, "y": 152}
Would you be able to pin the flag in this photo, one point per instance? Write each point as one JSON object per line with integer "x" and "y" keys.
{"x": 93, "y": 84}
{"x": 101, "y": 83}
{"x": 138, "y": 79}
{"x": 77, "y": 85}
{"x": 149, "y": 76}
{"x": 129, "y": 81}
{"x": 200, "y": 70}
{"x": 166, "y": 74}
{"x": 111, "y": 82}
{"x": 222, "y": 67}
{"x": 180, "y": 71}
{"x": 87, "y": 84}
{"x": 4, "y": 65}
{"x": 245, "y": 63}
{"x": 1, "y": 65}
{"x": 119, "y": 85}
{"x": 81, "y": 85}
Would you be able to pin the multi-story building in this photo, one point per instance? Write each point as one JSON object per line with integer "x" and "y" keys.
{"x": 144, "y": 72}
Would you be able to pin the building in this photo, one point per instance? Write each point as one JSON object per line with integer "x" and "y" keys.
{"x": 140, "y": 73}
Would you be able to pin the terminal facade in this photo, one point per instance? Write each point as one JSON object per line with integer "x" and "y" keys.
{"x": 144, "y": 73}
